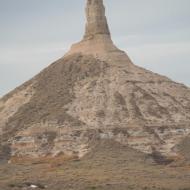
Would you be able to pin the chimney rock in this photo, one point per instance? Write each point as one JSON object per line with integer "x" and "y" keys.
{"x": 97, "y": 38}
{"x": 96, "y": 19}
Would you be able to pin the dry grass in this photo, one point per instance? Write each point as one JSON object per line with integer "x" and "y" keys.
{"x": 109, "y": 166}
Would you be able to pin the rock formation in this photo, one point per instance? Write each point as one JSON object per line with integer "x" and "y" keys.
{"x": 96, "y": 20}
{"x": 94, "y": 92}
{"x": 97, "y": 38}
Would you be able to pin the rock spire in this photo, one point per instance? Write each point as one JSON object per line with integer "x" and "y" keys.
{"x": 96, "y": 19}
{"x": 97, "y": 39}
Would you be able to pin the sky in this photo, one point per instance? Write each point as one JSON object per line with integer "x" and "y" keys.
{"x": 154, "y": 33}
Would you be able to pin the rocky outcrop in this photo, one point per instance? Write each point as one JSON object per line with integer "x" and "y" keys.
{"x": 81, "y": 99}
{"x": 96, "y": 20}
{"x": 95, "y": 93}
{"x": 97, "y": 39}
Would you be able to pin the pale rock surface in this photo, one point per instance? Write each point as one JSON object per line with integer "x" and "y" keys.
{"x": 97, "y": 39}
{"x": 9, "y": 107}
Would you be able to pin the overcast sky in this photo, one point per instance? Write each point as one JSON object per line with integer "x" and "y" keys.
{"x": 34, "y": 33}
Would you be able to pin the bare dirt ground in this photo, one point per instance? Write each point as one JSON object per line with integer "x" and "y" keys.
{"x": 109, "y": 166}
